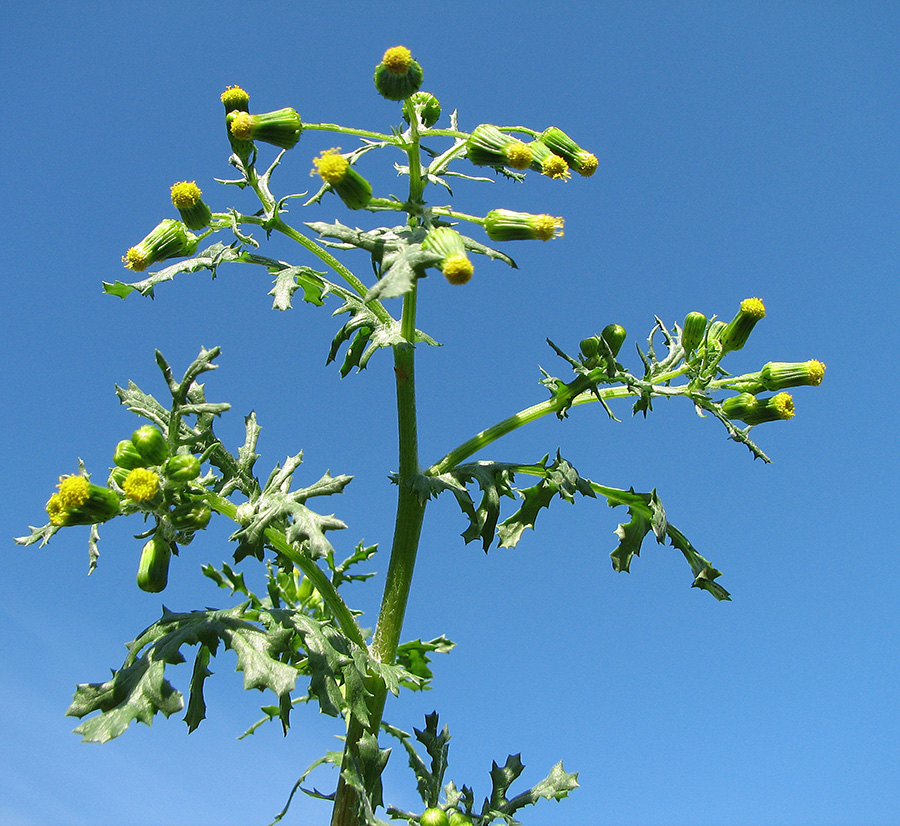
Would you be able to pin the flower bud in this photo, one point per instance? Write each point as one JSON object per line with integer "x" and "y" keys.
{"x": 692, "y": 331}
{"x": 190, "y": 516}
{"x": 170, "y": 239}
{"x": 506, "y": 225}
{"x": 182, "y": 468}
{"x": 590, "y": 347}
{"x": 488, "y": 146}
{"x": 118, "y": 475}
{"x": 398, "y": 75}
{"x": 448, "y": 243}
{"x": 614, "y": 336}
{"x": 195, "y": 214}
{"x": 561, "y": 144}
{"x": 126, "y": 455}
{"x": 548, "y": 163}
{"x": 459, "y": 819}
{"x": 428, "y": 107}
{"x": 281, "y": 128}
{"x": 153, "y": 569}
{"x": 735, "y": 335}
{"x": 747, "y": 408}
{"x": 78, "y": 502}
{"x": 150, "y": 444}
{"x": 141, "y": 484}
{"x": 354, "y": 190}
{"x": 777, "y": 375}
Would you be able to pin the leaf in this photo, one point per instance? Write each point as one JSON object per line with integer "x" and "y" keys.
{"x": 291, "y": 279}
{"x": 555, "y": 786}
{"x": 399, "y": 271}
{"x": 437, "y": 744}
{"x": 413, "y": 657}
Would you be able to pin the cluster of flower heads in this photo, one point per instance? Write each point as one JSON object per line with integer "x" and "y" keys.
{"x": 398, "y": 77}
{"x": 145, "y": 478}
{"x": 707, "y": 341}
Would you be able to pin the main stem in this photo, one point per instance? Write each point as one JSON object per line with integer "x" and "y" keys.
{"x": 407, "y": 528}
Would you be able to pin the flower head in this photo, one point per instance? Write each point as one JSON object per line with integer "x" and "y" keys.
{"x": 78, "y": 502}
{"x": 777, "y": 375}
{"x": 398, "y": 76}
{"x": 169, "y": 239}
{"x": 235, "y": 99}
{"x": 73, "y": 491}
{"x": 141, "y": 484}
{"x": 735, "y": 335}
{"x": 547, "y": 162}
{"x": 745, "y": 407}
{"x": 186, "y": 198}
{"x": 577, "y": 158}
{"x": 506, "y": 225}
{"x": 457, "y": 268}
{"x": 488, "y": 146}
{"x": 333, "y": 168}
{"x": 281, "y": 128}
{"x": 454, "y": 263}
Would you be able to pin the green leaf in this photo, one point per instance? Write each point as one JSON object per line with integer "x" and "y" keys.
{"x": 196, "y": 710}
{"x": 413, "y": 657}
{"x": 291, "y": 279}
{"x": 437, "y": 744}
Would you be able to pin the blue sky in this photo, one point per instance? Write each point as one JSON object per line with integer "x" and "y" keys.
{"x": 744, "y": 151}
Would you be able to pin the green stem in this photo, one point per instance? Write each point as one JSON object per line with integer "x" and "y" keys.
{"x": 407, "y": 529}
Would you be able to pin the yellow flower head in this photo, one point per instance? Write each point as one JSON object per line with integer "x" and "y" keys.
{"x": 397, "y": 60}
{"x": 555, "y": 166}
{"x": 235, "y": 98}
{"x": 331, "y": 166}
{"x": 242, "y": 126}
{"x": 547, "y": 226}
{"x": 185, "y": 194}
{"x": 586, "y": 164}
{"x": 73, "y": 491}
{"x": 56, "y": 511}
{"x": 457, "y": 268}
{"x": 754, "y": 308}
{"x": 783, "y": 405}
{"x": 518, "y": 155}
{"x": 816, "y": 372}
{"x": 141, "y": 484}
{"x": 136, "y": 259}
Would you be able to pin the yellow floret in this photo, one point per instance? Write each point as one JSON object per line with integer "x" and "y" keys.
{"x": 242, "y": 126}
{"x": 555, "y": 167}
{"x": 397, "y": 59}
{"x": 587, "y": 164}
{"x": 185, "y": 194}
{"x": 135, "y": 259}
{"x": 56, "y": 511}
{"x": 753, "y": 307}
{"x": 547, "y": 227}
{"x": 331, "y": 166}
{"x": 518, "y": 155}
{"x": 784, "y": 405}
{"x": 816, "y": 372}
{"x": 141, "y": 484}
{"x": 73, "y": 491}
{"x": 235, "y": 98}
{"x": 457, "y": 268}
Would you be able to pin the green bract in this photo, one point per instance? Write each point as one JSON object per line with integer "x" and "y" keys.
{"x": 153, "y": 569}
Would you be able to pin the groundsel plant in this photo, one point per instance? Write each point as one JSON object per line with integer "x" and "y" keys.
{"x": 298, "y": 639}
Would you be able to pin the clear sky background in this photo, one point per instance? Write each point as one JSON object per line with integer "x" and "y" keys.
{"x": 745, "y": 150}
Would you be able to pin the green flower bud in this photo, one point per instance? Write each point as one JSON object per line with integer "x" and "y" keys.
{"x": 153, "y": 569}
{"x": 186, "y": 199}
{"x": 398, "y": 75}
{"x": 777, "y": 375}
{"x": 182, "y": 468}
{"x": 448, "y": 243}
{"x": 428, "y": 107}
{"x": 714, "y": 335}
{"x": 561, "y": 144}
{"x": 333, "y": 168}
{"x": 434, "y": 817}
{"x": 747, "y": 408}
{"x": 488, "y": 146}
{"x": 126, "y": 455}
{"x": 547, "y": 162}
{"x": 118, "y": 475}
{"x": 735, "y": 335}
{"x": 190, "y": 516}
{"x": 459, "y": 819}
{"x": 169, "y": 239}
{"x": 150, "y": 444}
{"x": 692, "y": 331}
{"x": 79, "y": 502}
{"x": 280, "y": 128}
{"x": 506, "y": 225}
{"x": 590, "y": 347}
{"x": 141, "y": 484}
{"x": 614, "y": 336}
